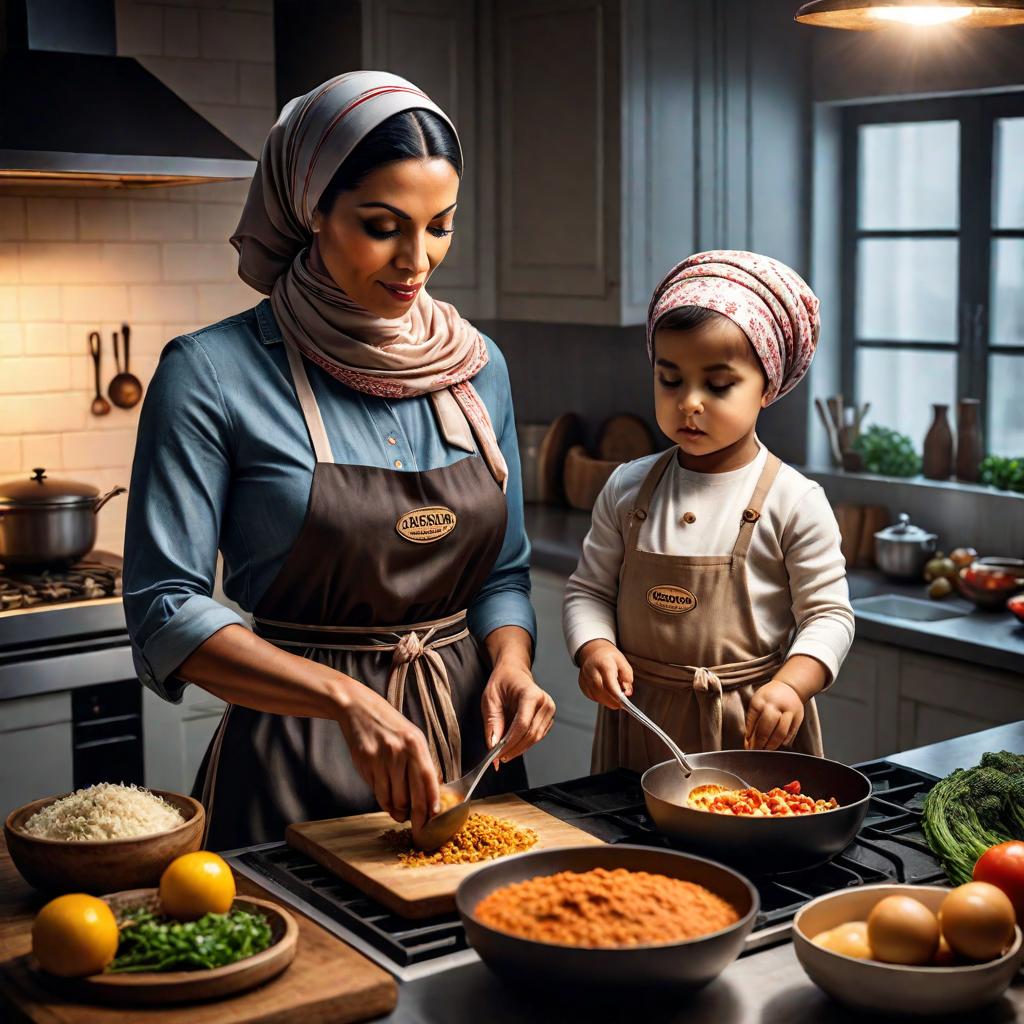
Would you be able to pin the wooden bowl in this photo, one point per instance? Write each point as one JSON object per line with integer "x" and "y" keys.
{"x": 879, "y": 988}
{"x": 584, "y": 477}
{"x": 163, "y": 987}
{"x": 101, "y": 865}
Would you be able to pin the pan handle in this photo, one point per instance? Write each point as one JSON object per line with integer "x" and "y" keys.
{"x": 664, "y": 736}
{"x": 112, "y": 493}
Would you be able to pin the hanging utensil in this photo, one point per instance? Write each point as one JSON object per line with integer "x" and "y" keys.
{"x": 125, "y": 389}
{"x": 100, "y": 406}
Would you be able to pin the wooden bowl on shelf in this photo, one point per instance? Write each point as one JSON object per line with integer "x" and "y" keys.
{"x": 584, "y": 477}
{"x": 101, "y": 865}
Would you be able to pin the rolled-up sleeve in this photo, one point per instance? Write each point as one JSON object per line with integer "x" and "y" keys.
{"x": 179, "y": 485}
{"x": 504, "y": 600}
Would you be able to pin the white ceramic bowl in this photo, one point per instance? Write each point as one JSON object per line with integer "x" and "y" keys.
{"x": 885, "y": 988}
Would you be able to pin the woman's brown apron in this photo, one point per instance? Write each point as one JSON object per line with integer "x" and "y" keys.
{"x": 376, "y": 586}
{"x": 686, "y": 625}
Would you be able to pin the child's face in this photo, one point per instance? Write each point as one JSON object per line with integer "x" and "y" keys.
{"x": 708, "y": 386}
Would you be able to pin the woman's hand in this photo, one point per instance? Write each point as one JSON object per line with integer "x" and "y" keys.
{"x": 512, "y": 701}
{"x": 391, "y": 755}
{"x": 604, "y": 673}
{"x": 775, "y": 715}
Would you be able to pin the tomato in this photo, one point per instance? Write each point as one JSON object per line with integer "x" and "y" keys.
{"x": 1003, "y": 866}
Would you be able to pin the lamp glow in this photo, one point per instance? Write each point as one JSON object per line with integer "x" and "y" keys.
{"x": 921, "y": 15}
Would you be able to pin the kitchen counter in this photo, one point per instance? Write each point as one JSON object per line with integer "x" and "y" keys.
{"x": 762, "y": 988}
{"x": 992, "y": 639}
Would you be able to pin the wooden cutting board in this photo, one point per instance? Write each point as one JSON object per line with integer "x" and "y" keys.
{"x": 327, "y": 981}
{"x": 352, "y": 849}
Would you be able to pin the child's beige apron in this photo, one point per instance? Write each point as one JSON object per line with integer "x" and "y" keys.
{"x": 686, "y": 625}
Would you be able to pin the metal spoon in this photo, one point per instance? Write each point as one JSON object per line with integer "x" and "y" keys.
{"x": 100, "y": 406}
{"x": 694, "y": 776}
{"x": 441, "y": 827}
{"x": 125, "y": 389}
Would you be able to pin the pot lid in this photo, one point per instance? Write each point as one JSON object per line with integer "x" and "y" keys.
{"x": 39, "y": 489}
{"x": 905, "y": 530}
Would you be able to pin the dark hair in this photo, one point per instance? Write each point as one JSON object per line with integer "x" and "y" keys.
{"x": 409, "y": 134}
{"x": 686, "y": 318}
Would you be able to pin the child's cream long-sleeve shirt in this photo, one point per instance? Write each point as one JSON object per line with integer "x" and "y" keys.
{"x": 796, "y": 574}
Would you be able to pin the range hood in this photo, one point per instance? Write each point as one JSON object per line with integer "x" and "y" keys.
{"x": 74, "y": 113}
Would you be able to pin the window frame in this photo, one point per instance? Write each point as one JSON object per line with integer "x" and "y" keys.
{"x": 976, "y": 116}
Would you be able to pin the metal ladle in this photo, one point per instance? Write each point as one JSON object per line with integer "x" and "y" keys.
{"x": 441, "y": 827}
{"x": 100, "y": 406}
{"x": 694, "y": 776}
{"x": 125, "y": 389}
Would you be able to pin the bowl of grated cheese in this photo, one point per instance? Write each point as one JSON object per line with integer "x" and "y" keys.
{"x": 103, "y": 838}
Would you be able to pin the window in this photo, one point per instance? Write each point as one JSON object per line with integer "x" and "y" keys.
{"x": 933, "y": 262}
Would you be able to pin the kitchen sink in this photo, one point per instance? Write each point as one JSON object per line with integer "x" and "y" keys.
{"x": 899, "y": 607}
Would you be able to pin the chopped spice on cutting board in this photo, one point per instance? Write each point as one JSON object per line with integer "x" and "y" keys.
{"x": 481, "y": 838}
{"x": 605, "y": 908}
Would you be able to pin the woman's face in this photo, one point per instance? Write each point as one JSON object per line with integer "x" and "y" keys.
{"x": 708, "y": 386}
{"x": 382, "y": 240}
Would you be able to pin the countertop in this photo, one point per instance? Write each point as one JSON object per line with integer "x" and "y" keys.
{"x": 992, "y": 639}
{"x": 766, "y": 987}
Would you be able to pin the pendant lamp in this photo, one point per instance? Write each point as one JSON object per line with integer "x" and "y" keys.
{"x": 864, "y": 15}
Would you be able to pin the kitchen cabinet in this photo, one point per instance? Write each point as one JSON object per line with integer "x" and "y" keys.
{"x": 35, "y": 749}
{"x": 436, "y": 44}
{"x": 565, "y": 752}
{"x": 176, "y": 737}
{"x": 655, "y": 129}
{"x": 887, "y": 698}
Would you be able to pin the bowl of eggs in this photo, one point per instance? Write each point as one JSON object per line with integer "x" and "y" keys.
{"x": 923, "y": 949}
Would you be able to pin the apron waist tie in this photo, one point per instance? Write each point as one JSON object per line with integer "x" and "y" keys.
{"x": 414, "y": 647}
{"x": 708, "y": 685}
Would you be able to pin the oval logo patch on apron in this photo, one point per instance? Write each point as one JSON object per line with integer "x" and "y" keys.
{"x": 671, "y": 600}
{"x": 428, "y": 524}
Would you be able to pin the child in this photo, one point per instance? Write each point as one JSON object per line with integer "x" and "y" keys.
{"x": 711, "y": 588}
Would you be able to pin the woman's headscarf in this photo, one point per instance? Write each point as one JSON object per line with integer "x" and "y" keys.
{"x": 428, "y": 350}
{"x": 767, "y": 300}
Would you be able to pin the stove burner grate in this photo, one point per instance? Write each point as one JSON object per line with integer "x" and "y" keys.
{"x": 84, "y": 581}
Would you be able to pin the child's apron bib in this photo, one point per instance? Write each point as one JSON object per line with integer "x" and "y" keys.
{"x": 686, "y": 625}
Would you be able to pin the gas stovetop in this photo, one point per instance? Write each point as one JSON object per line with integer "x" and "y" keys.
{"x": 890, "y": 847}
{"x": 87, "y": 580}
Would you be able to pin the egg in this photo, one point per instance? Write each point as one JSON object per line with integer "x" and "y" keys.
{"x": 977, "y": 921}
{"x": 850, "y": 939}
{"x": 944, "y": 956}
{"x": 902, "y": 931}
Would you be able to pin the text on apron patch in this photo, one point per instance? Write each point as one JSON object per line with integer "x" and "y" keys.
{"x": 671, "y": 600}
{"x": 428, "y": 524}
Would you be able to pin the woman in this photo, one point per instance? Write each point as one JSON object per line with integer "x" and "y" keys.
{"x": 349, "y": 445}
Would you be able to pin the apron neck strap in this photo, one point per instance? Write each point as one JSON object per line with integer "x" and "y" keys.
{"x": 752, "y": 512}
{"x": 307, "y": 402}
{"x": 642, "y": 504}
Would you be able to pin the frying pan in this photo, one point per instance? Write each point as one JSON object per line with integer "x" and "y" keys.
{"x": 638, "y": 969}
{"x": 762, "y": 845}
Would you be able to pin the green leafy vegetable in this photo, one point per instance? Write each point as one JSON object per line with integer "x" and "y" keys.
{"x": 887, "y": 452}
{"x": 1006, "y": 474}
{"x": 973, "y": 809}
{"x": 153, "y": 943}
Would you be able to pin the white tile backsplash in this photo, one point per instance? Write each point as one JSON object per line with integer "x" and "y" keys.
{"x": 75, "y": 261}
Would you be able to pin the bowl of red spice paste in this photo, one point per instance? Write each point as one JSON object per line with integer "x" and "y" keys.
{"x": 612, "y": 917}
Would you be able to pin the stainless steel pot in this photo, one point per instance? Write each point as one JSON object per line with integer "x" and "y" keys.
{"x": 48, "y": 522}
{"x": 902, "y": 550}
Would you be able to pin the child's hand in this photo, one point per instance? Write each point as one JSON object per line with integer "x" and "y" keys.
{"x": 604, "y": 673}
{"x": 775, "y": 714}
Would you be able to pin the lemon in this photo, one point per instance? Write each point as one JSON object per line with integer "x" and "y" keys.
{"x": 195, "y": 884}
{"x": 75, "y": 935}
